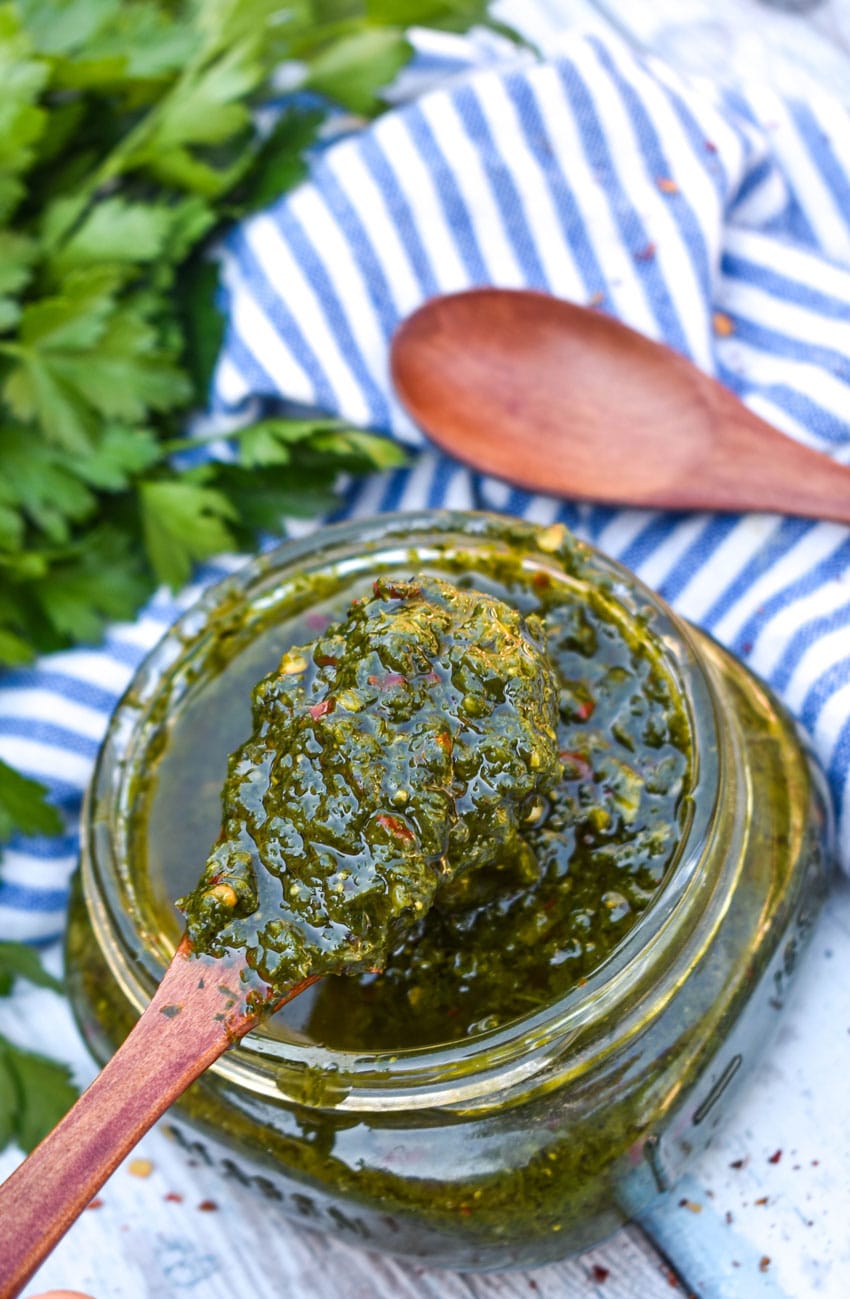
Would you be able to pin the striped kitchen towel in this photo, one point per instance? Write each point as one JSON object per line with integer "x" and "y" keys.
{"x": 718, "y": 222}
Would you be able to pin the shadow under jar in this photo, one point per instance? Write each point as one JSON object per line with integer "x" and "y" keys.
{"x": 540, "y": 1064}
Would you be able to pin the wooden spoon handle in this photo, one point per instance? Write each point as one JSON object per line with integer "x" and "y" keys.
{"x": 197, "y": 1013}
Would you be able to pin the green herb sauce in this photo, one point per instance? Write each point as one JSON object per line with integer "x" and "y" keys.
{"x": 398, "y": 808}
{"x": 591, "y": 859}
{"x": 392, "y": 759}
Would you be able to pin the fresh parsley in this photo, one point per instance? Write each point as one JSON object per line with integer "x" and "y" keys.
{"x": 34, "y": 1092}
{"x": 23, "y": 807}
{"x": 128, "y": 139}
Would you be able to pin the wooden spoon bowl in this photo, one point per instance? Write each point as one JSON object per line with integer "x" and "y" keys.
{"x": 565, "y": 400}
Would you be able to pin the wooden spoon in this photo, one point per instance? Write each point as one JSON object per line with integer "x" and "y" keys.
{"x": 562, "y": 399}
{"x": 199, "y": 1010}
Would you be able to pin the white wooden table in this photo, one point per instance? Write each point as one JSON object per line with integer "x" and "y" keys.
{"x": 761, "y": 1215}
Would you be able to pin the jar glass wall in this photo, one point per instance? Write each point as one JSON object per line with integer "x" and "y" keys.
{"x": 514, "y": 1144}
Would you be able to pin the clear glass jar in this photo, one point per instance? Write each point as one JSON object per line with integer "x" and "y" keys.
{"x": 516, "y": 1146}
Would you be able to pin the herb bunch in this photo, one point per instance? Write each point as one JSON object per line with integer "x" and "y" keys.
{"x": 128, "y": 140}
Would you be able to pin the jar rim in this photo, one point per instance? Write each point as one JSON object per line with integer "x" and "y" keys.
{"x": 515, "y": 1052}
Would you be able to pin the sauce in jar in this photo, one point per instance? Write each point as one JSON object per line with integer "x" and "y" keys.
{"x": 549, "y": 1047}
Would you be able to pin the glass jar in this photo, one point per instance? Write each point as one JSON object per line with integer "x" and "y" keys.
{"x": 517, "y": 1145}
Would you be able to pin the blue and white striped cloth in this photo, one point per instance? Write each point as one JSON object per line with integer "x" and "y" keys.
{"x": 718, "y": 222}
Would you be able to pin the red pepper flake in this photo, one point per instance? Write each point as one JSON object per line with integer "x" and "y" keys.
{"x": 208, "y": 1206}
{"x": 388, "y": 681}
{"x": 445, "y": 741}
{"x": 738, "y": 1163}
{"x": 465, "y": 1209}
{"x": 667, "y": 185}
{"x": 585, "y": 710}
{"x": 762, "y": 1200}
{"x": 172, "y": 1197}
{"x": 815, "y": 1163}
{"x": 95, "y": 1203}
{"x": 325, "y": 660}
{"x": 579, "y": 761}
{"x": 645, "y": 254}
{"x": 670, "y": 1277}
{"x": 710, "y": 146}
{"x": 396, "y": 828}
{"x": 722, "y": 324}
{"x": 764, "y": 1262}
{"x": 321, "y": 710}
{"x": 600, "y": 1273}
{"x": 775, "y": 1157}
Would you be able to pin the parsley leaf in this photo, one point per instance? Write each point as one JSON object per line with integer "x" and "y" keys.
{"x": 122, "y": 452}
{"x": 35, "y": 1093}
{"x": 23, "y": 805}
{"x": 22, "y": 120}
{"x": 116, "y": 230}
{"x": 14, "y": 650}
{"x": 354, "y": 70}
{"x": 454, "y": 15}
{"x": 279, "y": 163}
{"x": 42, "y": 484}
{"x": 17, "y": 254}
{"x": 18, "y": 961}
{"x": 184, "y": 522}
{"x": 72, "y": 596}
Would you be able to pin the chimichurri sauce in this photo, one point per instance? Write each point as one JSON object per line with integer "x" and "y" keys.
{"x": 562, "y": 880}
{"x": 592, "y": 859}
{"x": 392, "y": 761}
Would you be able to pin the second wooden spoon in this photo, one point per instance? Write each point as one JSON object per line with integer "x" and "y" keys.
{"x": 565, "y": 400}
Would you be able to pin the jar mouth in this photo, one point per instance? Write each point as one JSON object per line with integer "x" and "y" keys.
{"x": 577, "y": 1029}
